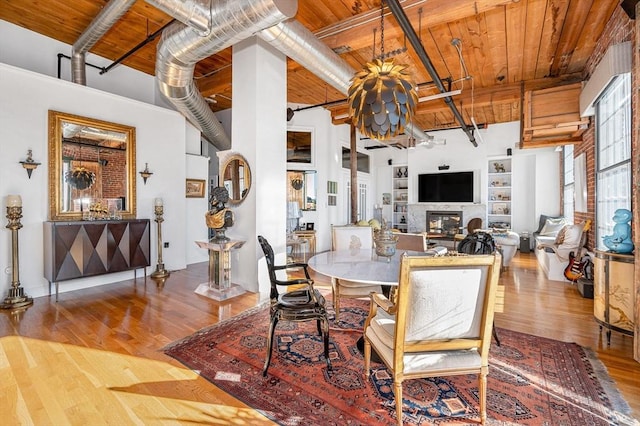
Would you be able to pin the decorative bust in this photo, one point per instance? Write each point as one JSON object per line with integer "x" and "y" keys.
{"x": 219, "y": 218}
{"x": 620, "y": 241}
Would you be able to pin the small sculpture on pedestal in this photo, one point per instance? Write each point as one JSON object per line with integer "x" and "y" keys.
{"x": 620, "y": 241}
{"x": 219, "y": 218}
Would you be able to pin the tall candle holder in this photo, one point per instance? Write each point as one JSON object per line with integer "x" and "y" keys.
{"x": 160, "y": 272}
{"x": 16, "y": 297}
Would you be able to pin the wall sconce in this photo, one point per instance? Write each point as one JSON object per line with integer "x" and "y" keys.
{"x": 29, "y": 164}
{"x": 145, "y": 173}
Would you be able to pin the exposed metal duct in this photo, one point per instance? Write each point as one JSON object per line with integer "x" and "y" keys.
{"x": 194, "y": 13}
{"x": 181, "y": 47}
{"x": 298, "y": 43}
{"x": 410, "y": 32}
{"x": 108, "y": 16}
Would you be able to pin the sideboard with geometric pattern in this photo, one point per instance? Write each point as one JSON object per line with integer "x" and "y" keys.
{"x": 81, "y": 249}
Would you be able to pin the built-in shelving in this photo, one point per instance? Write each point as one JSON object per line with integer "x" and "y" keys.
{"x": 499, "y": 208}
{"x": 400, "y": 197}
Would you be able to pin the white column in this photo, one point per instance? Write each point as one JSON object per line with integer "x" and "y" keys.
{"x": 259, "y": 133}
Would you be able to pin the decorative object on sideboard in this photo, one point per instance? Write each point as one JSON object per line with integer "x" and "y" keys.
{"x": 385, "y": 241}
{"x": 16, "y": 298}
{"x": 29, "y": 164}
{"x": 160, "y": 273}
{"x": 219, "y": 217}
{"x": 443, "y": 167}
{"x": 382, "y": 97}
{"x": 146, "y": 174}
{"x": 620, "y": 241}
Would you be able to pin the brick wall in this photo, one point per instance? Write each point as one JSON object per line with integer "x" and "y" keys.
{"x": 112, "y": 173}
{"x": 619, "y": 29}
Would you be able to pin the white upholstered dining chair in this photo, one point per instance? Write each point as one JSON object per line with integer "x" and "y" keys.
{"x": 351, "y": 238}
{"x": 440, "y": 323}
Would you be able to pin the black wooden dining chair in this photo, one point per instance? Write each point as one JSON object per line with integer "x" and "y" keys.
{"x": 301, "y": 304}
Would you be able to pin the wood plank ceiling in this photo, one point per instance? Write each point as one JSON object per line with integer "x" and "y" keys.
{"x": 508, "y": 46}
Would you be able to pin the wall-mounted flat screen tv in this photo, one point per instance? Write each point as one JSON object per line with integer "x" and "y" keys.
{"x": 455, "y": 187}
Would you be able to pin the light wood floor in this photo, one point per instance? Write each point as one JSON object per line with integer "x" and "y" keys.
{"x": 95, "y": 356}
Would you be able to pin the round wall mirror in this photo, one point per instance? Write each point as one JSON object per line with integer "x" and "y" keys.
{"x": 236, "y": 177}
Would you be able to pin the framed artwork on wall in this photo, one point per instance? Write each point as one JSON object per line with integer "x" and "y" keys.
{"x": 300, "y": 146}
{"x": 195, "y": 188}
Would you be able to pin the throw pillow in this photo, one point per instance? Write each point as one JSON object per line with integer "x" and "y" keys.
{"x": 553, "y": 226}
{"x": 572, "y": 235}
{"x": 543, "y": 220}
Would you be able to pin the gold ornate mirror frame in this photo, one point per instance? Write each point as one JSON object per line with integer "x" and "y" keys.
{"x": 235, "y": 175}
{"x": 92, "y": 166}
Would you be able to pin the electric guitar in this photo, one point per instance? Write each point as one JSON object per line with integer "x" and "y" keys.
{"x": 575, "y": 268}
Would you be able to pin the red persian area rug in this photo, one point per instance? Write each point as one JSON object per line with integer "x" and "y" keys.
{"x": 532, "y": 380}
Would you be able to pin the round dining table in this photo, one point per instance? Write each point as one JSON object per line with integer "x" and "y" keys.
{"x": 360, "y": 265}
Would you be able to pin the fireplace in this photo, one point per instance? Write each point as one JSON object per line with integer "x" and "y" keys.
{"x": 444, "y": 223}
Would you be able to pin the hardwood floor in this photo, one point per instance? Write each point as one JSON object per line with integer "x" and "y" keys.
{"x": 95, "y": 356}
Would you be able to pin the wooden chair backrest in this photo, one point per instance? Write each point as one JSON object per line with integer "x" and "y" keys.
{"x": 445, "y": 303}
{"x": 413, "y": 242}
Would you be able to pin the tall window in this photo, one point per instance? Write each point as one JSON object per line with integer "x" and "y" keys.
{"x": 613, "y": 150}
{"x": 569, "y": 183}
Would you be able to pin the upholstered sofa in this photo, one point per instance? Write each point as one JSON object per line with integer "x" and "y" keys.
{"x": 555, "y": 240}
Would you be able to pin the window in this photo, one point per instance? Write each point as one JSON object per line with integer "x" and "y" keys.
{"x": 613, "y": 151}
{"x": 569, "y": 183}
{"x": 361, "y": 159}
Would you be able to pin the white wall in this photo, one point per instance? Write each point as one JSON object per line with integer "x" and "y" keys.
{"x": 535, "y": 171}
{"x": 160, "y": 139}
{"x": 32, "y": 51}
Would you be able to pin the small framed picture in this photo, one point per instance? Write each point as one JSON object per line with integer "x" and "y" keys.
{"x": 195, "y": 188}
{"x": 309, "y": 226}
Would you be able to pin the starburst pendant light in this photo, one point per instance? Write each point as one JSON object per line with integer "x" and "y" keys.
{"x": 382, "y": 96}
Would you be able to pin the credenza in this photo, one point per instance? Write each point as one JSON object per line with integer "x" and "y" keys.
{"x": 81, "y": 249}
{"x": 613, "y": 292}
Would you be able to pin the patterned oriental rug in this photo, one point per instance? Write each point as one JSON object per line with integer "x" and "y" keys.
{"x": 532, "y": 380}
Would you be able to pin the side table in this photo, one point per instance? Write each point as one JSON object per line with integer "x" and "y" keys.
{"x": 310, "y": 237}
{"x": 219, "y": 286}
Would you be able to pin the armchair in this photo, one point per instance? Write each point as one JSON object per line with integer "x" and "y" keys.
{"x": 303, "y": 304}
{"x": 351, "y": 238}
{"x": 440, "y": 323}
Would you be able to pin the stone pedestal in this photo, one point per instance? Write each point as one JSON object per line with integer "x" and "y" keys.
{"x": 220, "y": 286}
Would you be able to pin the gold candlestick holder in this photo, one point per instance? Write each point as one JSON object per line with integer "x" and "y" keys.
{"x": 16, "y": 297}
{"x": 160, "y": 272}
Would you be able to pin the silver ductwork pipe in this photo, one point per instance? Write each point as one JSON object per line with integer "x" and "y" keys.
{"x": 108, "y": 16}
{"x": 181, "y": 47}
{"x": 194, "y": 13}
{"x": 298, "y": 43}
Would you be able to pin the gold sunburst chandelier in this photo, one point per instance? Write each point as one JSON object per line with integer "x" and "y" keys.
{"x": 382, "y": 97}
